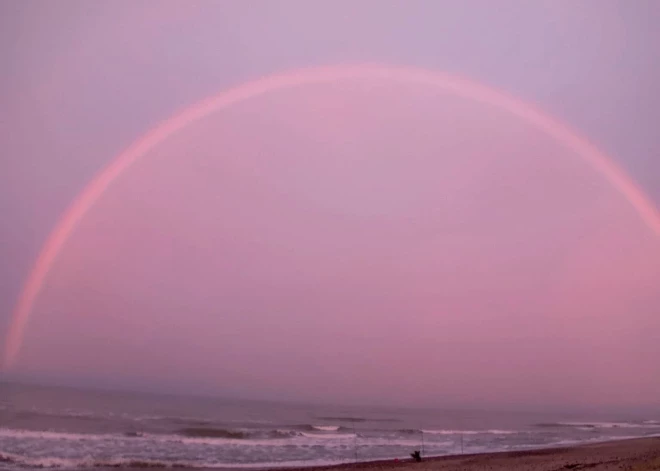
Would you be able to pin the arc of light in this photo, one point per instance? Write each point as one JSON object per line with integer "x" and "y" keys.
{"x": 459, "y": 86}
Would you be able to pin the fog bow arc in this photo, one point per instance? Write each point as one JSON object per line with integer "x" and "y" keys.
{"x": 618, "y": 179}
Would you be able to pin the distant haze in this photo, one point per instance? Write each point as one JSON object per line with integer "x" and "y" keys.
{"x": 363, "y": 241}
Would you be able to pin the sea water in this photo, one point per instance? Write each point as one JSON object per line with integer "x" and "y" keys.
{"x": 65, "y": 428}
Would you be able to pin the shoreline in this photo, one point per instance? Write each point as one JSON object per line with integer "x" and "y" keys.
{"x": 632, "y": 453}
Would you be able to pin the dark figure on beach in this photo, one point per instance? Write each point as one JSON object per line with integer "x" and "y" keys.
{"x": 416, "y": 456}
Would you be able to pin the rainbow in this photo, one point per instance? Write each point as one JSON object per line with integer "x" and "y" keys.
{"x": 452, "y": 84}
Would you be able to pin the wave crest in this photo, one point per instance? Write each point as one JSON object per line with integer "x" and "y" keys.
{"x": 213, "y": 433}
{"x": 326, "y": 428}
{"x": 469, "y": 432}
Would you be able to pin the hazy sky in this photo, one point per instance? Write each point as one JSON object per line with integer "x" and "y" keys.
{"x": 362, "y": 240}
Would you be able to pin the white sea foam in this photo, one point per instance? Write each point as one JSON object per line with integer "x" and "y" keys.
{"x": 326, "y": 428}
{"x": 88, "y": 462}
{"x": 326, "y": 436}
{"x": 35, "y": 440}
{"x": 87, "y": 456}
{"x": 46, "y": 435}
{"x": 609, "y": 425}
{"x": 590, "y": 440}
{"x": 469, "y": 432}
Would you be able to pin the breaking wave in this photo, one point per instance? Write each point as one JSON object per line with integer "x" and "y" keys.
{"x": 468, "y": 432}
{"x": 118, "y": 462}
{"x": 600, "y": 425}
{"x": 326, "y": 428}
{"x": 213, "y": 433}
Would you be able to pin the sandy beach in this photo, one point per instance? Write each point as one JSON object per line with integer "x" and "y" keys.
{"x": 634, "y": 455}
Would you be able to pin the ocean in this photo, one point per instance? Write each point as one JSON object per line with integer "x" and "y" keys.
{"x": 65, "y": 428}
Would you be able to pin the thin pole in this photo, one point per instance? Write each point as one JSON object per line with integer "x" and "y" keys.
{"x": 422, "y": 441}
{"x": 461, "y": 443}
{"x": 355, "y": 441}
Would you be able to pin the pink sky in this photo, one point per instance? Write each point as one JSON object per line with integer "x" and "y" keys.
{"x": 361, "y": 241}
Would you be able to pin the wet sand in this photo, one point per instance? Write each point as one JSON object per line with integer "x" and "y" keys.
{"x": 640, "y": 454}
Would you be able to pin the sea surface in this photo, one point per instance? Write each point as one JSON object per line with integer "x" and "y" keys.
{"x": 52, "y": 427}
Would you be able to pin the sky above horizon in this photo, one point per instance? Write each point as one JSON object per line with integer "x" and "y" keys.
{"x": 364, "y": 239}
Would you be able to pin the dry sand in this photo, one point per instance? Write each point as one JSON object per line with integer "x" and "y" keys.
{"x": 640, "y": 454}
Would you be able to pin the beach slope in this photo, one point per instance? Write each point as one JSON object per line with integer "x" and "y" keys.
{"x": 641, "y": 454}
